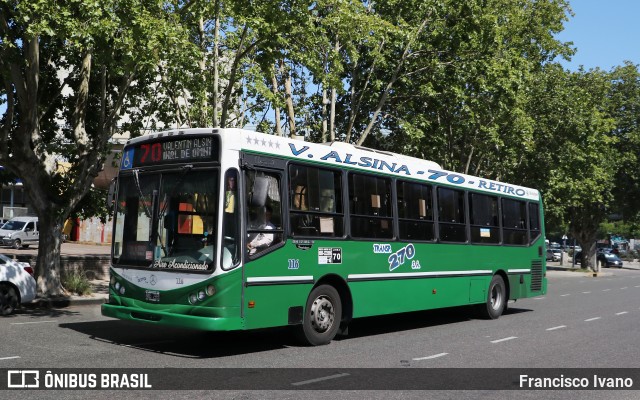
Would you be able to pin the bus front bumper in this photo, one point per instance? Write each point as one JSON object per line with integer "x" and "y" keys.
{"x": 172, "y": 319}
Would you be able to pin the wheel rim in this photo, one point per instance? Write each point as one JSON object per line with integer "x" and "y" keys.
{"x": 7, "y": 301}
{"x": 496, "y": 297}
{"x": 323, "y": 314}
{"x": 17, "y": 244}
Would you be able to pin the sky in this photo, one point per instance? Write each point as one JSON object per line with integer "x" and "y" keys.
{"x": 605, "y": 32}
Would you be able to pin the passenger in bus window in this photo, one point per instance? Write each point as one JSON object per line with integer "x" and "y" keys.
{"x": 262, "y": 240}
{"x": 230, "y": 195}
{"x": 300, "y": 198}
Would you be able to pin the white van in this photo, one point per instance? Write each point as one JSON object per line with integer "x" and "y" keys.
{"x": 20, "y": 232}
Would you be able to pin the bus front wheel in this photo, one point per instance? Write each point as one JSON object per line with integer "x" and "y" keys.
{"x": 496, "y": 299}
{"x": 322, "y": 316}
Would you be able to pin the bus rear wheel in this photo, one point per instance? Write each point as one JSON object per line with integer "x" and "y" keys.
{"x": 322, "y": 316}
{"x": 496, "y": 299}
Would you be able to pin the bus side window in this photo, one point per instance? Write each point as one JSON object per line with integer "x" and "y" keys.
{"x": 264, "y": 211}
{"x": 452, "y": 222}
{"x": 230, "y": 222}
{"x": 514, "y": 222}
{"x": 370, "y": 206}
{"x": 315, "y": 206}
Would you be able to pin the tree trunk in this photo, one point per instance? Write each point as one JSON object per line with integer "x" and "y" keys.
{"x": 216, "y": 73}
{"x": 291, "y": 117}
{"x": 276, "y": 108}
{"x": 49, "y": 277}
{"x": 325, "y": 102}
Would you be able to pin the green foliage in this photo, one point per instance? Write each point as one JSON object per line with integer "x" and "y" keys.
{"x": 76, "y": 282}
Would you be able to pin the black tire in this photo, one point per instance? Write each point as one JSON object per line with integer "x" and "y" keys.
{"x": 496, "y": 299}
{"x": 17, "y": 244}
{"x": 322, "y": 316}
{"x": 8, "y": 299}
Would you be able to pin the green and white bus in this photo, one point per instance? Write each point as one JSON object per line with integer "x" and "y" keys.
{"x": 228, "y": 229}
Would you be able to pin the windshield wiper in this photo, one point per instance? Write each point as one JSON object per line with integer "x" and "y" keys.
{"x": 136, "y": 179}
{"x": 165, "y": 206}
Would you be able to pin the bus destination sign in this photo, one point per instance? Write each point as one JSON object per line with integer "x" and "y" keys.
{"x": 174, "y": 150}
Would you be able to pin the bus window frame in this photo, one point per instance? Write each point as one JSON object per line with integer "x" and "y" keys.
{"x": 289, "y": 208}
{"x": 246, "y": 257}
{"x": 348, "y": 214}
{"x": 526, "y": 228}
{"x": 499, "y": 216}
{"x": 239, "y": 209}
{"x": 396, "y": 209}
{"x": 465, "y": 212}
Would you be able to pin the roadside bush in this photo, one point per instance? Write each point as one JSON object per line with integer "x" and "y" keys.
{"x": 77, "y": 282}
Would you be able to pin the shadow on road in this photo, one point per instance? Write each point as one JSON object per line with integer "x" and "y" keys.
{"x": 196, "y": 344}
{"x": 38, "y": 313}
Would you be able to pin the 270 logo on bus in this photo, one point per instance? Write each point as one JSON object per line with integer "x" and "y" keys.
{"x": 399, "y": 257}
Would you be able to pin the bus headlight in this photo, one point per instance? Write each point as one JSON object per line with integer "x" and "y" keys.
{"x": 211, "y": 290}
{"x": 193, "y": 299}
{"x": 122, "y": 290}
{"x": 117, "y": 286}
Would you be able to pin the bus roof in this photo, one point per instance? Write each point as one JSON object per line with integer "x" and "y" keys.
{"x": 347, "y": 155}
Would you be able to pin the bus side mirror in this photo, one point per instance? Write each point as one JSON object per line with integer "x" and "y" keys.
{"x": 259, "y": 191}
{"x": 111, "y": 194}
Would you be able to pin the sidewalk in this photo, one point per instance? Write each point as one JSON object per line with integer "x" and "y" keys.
{"x": 99, "y": 288}
{"x": 99, "y": 295}
{"x": 567, "y": 267}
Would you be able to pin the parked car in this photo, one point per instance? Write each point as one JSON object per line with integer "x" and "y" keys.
{"x": 609, "y": 260}
{"x": 17, "y": 285}
{"x": 554, "y": 255}
{"x": 20, "y": 232}
{"x": 606, "y": 259}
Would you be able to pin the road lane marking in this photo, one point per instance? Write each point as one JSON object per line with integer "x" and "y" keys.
{"x": 538, "y": 298}
{"x": 556, "y": 327}
{"x": 623, "y": 288}
{"x": 605, "y": 290}
{"x": 9, "y": 358}
{"x": 141, "y": 345}
{"x": 29, "y": 323}
{"x": 592, "y": 319}
{"x": 504, "y": 340}
{"x": 622, "y": 312}
{"x": 586, "y": 292}
{"x": 430, "y": 357}
{"x": 326, "y": 378}
{"x": 564, "y": 295}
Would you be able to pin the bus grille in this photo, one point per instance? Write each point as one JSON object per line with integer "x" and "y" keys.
{"x": 536, "y": 275}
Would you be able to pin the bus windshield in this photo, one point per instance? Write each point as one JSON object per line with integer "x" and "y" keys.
{"x": 166, "y": 220}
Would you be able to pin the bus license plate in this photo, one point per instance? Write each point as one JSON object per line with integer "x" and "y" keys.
{"x": 152, "y": 295}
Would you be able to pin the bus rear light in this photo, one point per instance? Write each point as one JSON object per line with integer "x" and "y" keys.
{"x": 252, "y": 304}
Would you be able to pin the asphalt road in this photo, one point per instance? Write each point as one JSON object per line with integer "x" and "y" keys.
{"x": 582, "y": 322}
